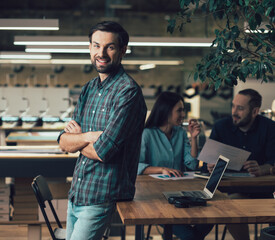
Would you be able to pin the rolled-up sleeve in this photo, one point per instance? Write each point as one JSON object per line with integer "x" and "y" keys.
{"x": 143, "y": 163}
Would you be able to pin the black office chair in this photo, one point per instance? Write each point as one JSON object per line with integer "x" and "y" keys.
{"x": 268, "y": 233}
{"x": 43, "y": 194}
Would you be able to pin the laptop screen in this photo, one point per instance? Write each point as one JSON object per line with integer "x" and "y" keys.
{"x": 216, "y": 174}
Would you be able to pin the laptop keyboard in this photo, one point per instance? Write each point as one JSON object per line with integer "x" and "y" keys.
{"x": 197, "y": 194}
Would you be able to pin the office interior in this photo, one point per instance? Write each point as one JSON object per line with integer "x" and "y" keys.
{"x": 37, "y": 94}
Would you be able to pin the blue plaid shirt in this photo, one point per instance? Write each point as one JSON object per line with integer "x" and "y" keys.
{"x": 115, "y": 106}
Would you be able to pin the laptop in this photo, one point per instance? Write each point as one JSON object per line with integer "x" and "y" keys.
{"x": 211, "y": 184}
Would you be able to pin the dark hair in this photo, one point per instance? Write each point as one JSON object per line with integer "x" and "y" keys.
{"x": 162, "y": 109}
{"x": 255, "y": 97}
{"x": 113, "y": 27}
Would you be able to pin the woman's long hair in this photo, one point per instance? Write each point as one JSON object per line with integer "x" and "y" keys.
{"x": 162, "y": 109}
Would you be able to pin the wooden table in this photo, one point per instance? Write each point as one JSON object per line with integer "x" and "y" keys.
{"x": 16, "y": 164}
{"x": 263, "y": 184}
{"x": 6, "y": 129}
{"x": 33, "y": 138}
{"x": 151, "y": 207}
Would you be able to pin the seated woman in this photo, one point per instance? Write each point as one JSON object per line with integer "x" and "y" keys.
{"x": 166, "y": 149}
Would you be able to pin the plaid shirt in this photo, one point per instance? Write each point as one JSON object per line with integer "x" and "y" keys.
{"x": 115, "y": 106}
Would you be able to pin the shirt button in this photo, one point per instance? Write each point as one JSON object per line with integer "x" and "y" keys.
{"x": 90, "y": 129}
{"x": 171, "y": 149}
{"x": 79, "y": 179}
{"x": 83, "y": 162}
{"x": 99, "y": 94}
{"x": 93, "y": 111}
{"x": 244, "y": 147}
{"x": 103, "y": 110}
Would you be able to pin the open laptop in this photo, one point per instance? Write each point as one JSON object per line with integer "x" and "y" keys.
{"x": 210, "y": 186}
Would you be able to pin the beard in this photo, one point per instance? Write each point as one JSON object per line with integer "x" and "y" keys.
{"x": 244, "y": 122}
{"x": 109, "y": 68}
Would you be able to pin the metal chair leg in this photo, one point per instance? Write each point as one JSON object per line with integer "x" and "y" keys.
{"x": 224, "y": 232}
{"x": 256, "y": 231}
{"x": 216, "y": 231}
{"x": 148, "y": 232}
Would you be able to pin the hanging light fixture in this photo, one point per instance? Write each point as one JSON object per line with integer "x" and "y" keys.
{"x": 28, "y": 24}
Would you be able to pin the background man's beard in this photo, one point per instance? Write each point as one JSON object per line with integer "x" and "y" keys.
{"x": 243, "y": 122}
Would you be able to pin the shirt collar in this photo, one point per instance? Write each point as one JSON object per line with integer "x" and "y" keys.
{"x": 110, "y": 79}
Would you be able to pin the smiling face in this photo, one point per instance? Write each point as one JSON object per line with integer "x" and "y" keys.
{"x": 177, "y": 114}
{"x": 105, "y": 52}
{"x": 242, "y": 114}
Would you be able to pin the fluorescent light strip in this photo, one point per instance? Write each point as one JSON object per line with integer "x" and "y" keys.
{"x": 52, "y": 40}
{"x": 28, "y": 24}
{"x": 256, "y": 31}
{"x": 59, "y": 49}
{"x": 23, "y": 55}
{"x": 134, "y": 41}
{"x": 147, "y": 66}
{"x": 171, "y": 44}
{"x": 88, "y": 61}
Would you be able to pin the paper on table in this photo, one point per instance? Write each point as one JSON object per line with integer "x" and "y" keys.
{"x": 187, "y": 175}
{"x": 212, "y": 149}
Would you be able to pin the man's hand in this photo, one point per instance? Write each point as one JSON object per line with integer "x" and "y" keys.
{"x": 210, "y": 167}
{"x": 194, "y": 128}
{"x": 72, "y": 127}
{"x": 253, "y": 168}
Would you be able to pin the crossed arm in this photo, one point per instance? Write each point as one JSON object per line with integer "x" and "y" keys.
{"x": 74, "y": 140}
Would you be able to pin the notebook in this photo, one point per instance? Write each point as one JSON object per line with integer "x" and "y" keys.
{"x": 210, "y": 186}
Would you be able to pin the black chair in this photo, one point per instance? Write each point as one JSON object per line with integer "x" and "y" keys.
{"x": 43, "y": 195}
{"x": 268, "y": 233}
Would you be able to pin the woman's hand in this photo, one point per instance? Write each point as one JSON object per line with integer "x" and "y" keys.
{"x": 172, "y": 172}
{"x": 194, "y": 128}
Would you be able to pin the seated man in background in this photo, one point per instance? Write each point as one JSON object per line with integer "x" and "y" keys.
{"x": 250, "y": 131}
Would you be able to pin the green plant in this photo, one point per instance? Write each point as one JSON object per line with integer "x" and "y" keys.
{"x": 237, "y": 51}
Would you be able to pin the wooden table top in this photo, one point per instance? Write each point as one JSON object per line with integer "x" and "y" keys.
{"x": 32, "y": 152}
{"x": 30, "y": 164}
{"x": 151, "y": 207}
{"x": 248, "y": 181}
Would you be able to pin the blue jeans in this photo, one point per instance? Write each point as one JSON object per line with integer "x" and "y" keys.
{"x": 88, "y": 222}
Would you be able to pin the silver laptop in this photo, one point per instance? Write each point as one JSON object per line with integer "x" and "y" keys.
{"x": 210, "y": 186}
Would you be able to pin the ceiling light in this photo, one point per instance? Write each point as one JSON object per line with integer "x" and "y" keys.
{"x": 260, "y": 29}
{"x": 134, "y": 41}
{"x": 61, "y": 49}
{"x": 170, "y": 42}
{"x": 23, "y": 55}
{"x": 57, "y": 49}
{"x": 120, "y": 6}
{"x": 51, "y": 40}
{"x": 147, "y": 66}
{"x": 28, "y": 24}
{"x": 88, "y": 61}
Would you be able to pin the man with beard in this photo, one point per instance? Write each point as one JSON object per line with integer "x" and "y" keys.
{"x": 250, "y": 131}
{"x": 106, "y": 129}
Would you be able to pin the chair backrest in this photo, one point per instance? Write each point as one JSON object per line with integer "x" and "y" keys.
{"x": 43, "y": 194}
